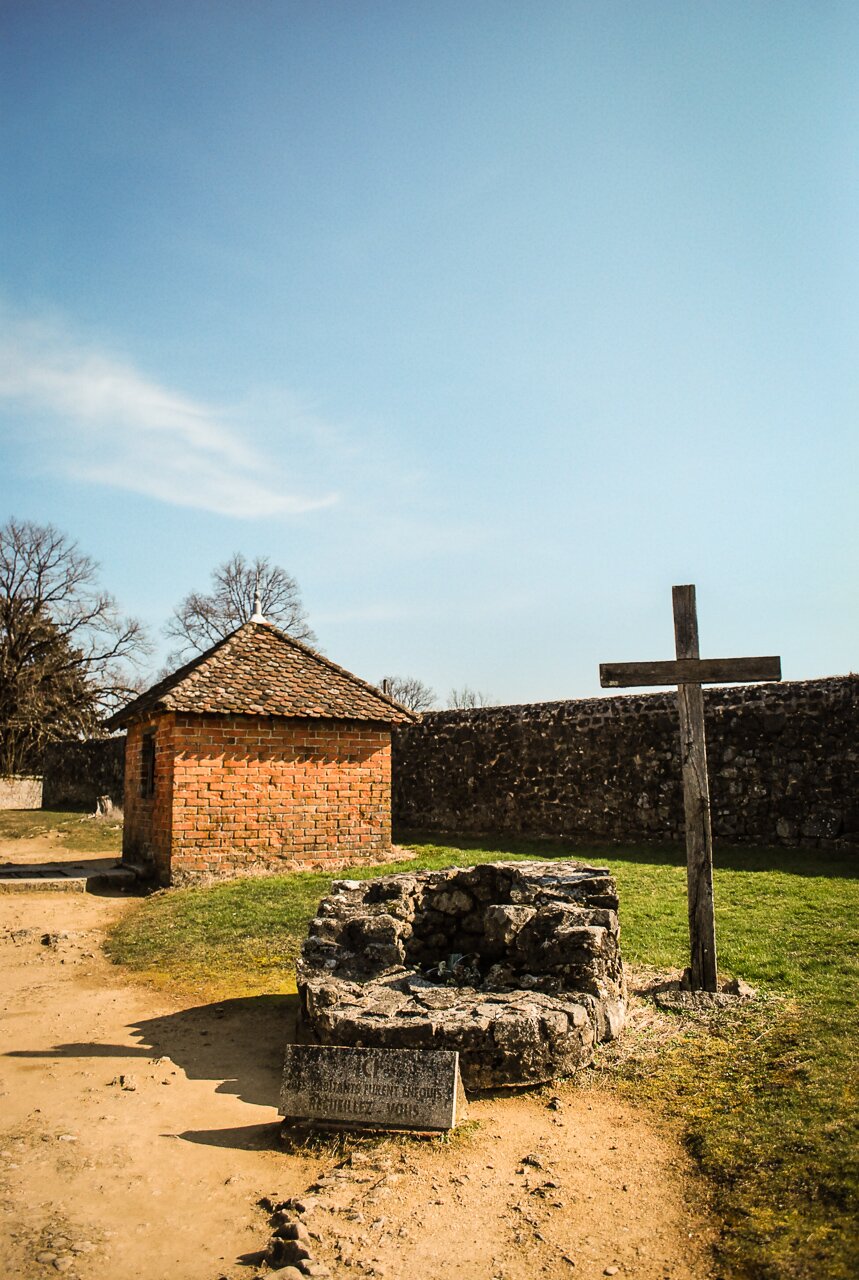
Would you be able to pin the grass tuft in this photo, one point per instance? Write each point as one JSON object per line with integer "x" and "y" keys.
{"x": 68, "y": 829}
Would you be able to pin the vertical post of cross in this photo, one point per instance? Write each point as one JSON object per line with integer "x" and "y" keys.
{"x": 689, "y": 671}
{"x": 696, "y": 799}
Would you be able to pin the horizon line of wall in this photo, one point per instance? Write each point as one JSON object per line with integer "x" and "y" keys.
{"x": 782, "y": 762}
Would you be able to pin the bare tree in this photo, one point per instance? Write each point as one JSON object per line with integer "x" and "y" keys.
{"x": 409, "y": 691}
{"x": 203, "y": 619}
{"x": 465, "y": 698}
{"x": 67, "y": 655}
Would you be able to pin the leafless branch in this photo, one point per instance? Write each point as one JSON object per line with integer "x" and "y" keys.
{"x": 66, "y": 651}
{"x": 203, "y": 619}
{"x": 465, "y": 698}
{"x": 409, "y": 691}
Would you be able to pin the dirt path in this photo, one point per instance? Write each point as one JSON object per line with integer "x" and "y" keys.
{"x": 44, "y": 854}
{"x": 137, "y": 1138}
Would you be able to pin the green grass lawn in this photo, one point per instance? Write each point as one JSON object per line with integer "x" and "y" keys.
{"x": 765, "y": 1095}
{"x": 69, "y": 829}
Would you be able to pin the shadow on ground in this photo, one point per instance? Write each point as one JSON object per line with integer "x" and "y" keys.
{"x": 103, "y": 876}
{"x": 799, "y": 862}
{"x": 238, "y": 1044}
{"x": 76, "y": 870}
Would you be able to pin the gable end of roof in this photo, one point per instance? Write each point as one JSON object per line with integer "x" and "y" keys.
{"x": 260, "y": 670}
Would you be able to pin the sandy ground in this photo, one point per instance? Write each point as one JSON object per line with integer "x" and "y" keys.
{"x": 45, "y": 854}
{"x": 137, "y": 1138}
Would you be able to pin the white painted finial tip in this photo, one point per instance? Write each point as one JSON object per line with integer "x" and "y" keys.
{"x": 257, "y": 615}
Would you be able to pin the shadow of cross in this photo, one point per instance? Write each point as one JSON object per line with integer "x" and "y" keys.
{"x": 689, "y": 672}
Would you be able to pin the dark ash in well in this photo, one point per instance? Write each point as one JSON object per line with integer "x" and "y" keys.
{"x": 514, "y": 964}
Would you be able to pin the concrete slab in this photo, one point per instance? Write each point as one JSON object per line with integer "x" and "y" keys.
{"x": 41, "y": 884}
{"x": 65, "y": 877}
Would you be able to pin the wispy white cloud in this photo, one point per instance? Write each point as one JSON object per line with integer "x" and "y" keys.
{"x": 111, "y": 425}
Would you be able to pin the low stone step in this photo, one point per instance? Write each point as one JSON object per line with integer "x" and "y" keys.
{"x": 41, "y": 883}
{"x": 118, "y": 877}
{"x": 65, "y": 877}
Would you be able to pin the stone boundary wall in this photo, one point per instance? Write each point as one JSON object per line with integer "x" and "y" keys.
{"x": 77, "y": 773}
{"x": 782, "y": 761}
{"x": 20, "y": 791}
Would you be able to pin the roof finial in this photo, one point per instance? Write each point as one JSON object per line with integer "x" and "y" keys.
{"x": 257, "y": 615}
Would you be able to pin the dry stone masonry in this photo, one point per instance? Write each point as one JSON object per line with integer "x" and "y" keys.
{"x": 77, "y": 773}
{"x": 515, "y": 965}
{"x": 783, "y": 763}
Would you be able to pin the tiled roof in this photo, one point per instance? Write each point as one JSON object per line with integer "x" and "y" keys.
{"x": 258, "y": 670}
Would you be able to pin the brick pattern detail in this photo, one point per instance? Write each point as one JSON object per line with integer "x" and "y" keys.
{"x": 148, "y": 819}
{"x": 257, "y": 794}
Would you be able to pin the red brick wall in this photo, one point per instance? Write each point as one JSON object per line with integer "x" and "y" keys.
{"x": 148, "y": 819}
{"x": 256, "y": 793}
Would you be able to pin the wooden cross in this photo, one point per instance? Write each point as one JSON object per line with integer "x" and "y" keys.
{"x": 689, "y": 672}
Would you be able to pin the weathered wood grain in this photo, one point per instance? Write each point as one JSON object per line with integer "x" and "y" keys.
{"x": 620, "y": 675}
{"x": 696, "y": 798}
{"x": 689, "y": 672}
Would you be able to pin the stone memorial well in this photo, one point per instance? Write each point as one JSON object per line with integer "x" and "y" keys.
{"x": 515, "y": 965}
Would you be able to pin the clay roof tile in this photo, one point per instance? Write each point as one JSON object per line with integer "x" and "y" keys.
{"x": 259, "y": 670}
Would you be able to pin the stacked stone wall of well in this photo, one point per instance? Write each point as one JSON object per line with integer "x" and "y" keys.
{"x": 782, "y": 761}
{"x": 255, "y": 794}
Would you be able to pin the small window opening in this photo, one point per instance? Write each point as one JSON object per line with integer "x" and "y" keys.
{"x": 147, "y": 764}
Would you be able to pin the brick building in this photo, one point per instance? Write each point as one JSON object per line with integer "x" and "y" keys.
{"x": 260, "y": 755}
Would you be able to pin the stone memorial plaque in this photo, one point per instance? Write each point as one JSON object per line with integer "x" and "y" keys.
{"x": 376, "y": 1088}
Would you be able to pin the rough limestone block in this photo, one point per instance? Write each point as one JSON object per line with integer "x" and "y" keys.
{"x": 515, "y": 966}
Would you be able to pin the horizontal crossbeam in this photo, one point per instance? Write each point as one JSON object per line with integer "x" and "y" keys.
{"x": 622, "y": 675}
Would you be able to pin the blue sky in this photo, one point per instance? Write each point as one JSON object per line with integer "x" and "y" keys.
{"x": 488, "y": 321}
